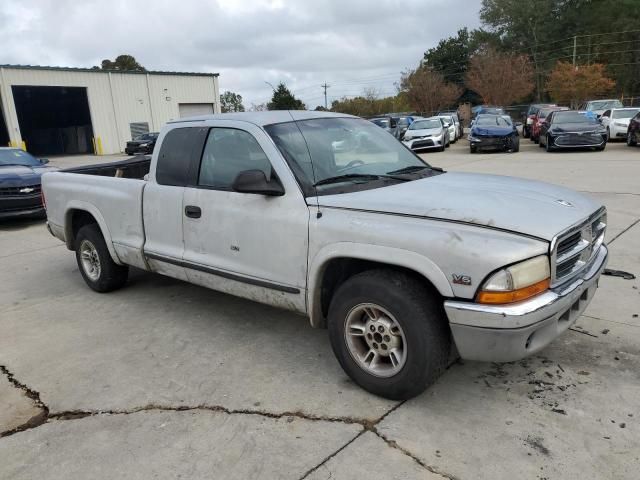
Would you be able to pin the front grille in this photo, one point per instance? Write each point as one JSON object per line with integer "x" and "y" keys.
{"x": 577, "y": 139}
{"x": 422, "y": 143}
{"x": 22, "y": 191}
{"x": 575, "y": 248}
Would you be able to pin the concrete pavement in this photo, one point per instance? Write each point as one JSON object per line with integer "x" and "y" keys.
{"x": 164, "y": 379}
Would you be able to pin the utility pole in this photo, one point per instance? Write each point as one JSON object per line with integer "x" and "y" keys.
{"x": 575, "y": 44}
{"x": 325, "y": 86}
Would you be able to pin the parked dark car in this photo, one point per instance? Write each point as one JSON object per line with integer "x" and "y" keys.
{"x": 493, "y": 132}
{"x": 572, "y": 129}
{"x": 633, "y": 131}
{"x": 530, "y": 117}
{"x": 485, "y": 110}
{"x": 539, "y": 119}
{"x": 402, "y": 126}
{"x": 20, "y": 174}
{"x": 143, "y": 144}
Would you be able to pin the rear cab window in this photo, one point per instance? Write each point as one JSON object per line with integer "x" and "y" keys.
{"x": 179, "y": 156}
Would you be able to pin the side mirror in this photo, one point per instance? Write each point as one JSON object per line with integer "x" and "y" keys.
{"x": 44, "y": 161}
{"x": 447, "y": 125}
{"x": 255, "y": 181}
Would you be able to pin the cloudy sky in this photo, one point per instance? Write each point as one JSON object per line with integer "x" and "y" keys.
{"x": 351, "y": 44}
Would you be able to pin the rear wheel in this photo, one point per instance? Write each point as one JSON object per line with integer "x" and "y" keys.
{"x": 389, "y": 333}
{"x": 97, "y": 267}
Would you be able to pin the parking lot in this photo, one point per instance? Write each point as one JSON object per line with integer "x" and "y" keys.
{"x": 164, "y": 379}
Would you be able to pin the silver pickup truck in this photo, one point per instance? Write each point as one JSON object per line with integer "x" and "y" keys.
{"x": 330, "y": 216}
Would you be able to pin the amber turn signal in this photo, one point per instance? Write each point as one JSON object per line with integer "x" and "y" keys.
{"x": 512, "y": 296}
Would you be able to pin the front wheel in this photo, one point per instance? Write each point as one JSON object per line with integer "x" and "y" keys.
{"x": 631, "y": 141}
{"x": 389, "y": 332}
{"x": 548, "y": 144}
{"x": 97, "y": 267}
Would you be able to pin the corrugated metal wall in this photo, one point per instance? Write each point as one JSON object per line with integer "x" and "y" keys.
{"x": 115, "y": 99}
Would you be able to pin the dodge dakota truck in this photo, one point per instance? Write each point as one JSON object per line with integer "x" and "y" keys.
{"x": 330, "y": 216}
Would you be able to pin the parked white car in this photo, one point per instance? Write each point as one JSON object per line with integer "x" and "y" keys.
{"x": 598, "y": 107}
{"x": 450, "y": 124}
{"x": 617, "y": 121}
{"x": 426, "y": 134}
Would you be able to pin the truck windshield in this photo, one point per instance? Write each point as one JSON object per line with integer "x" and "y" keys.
{"x": 351, "y": 148}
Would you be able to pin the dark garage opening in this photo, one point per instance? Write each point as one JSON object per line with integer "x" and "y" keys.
{"x": 54, "y": 120}
{"x": 4, "y": 133}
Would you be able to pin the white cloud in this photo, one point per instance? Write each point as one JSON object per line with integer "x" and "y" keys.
{"x": 351, "y": 44}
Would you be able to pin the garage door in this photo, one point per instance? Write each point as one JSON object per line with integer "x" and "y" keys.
{"x": 193, "y": 109}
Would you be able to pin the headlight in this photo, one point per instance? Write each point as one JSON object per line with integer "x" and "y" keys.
{"x": 517, "y": 282}
{"x": 143, "y": 145}
{"x": 619, "y": 124}
{"x": 473, "y": 139}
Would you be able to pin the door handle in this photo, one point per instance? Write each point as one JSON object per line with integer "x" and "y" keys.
{"x": 192, "y": 211}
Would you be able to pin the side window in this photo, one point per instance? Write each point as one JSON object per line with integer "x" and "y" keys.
{"x": 607, "y": 113}
{"x": 180, "y": 148}
{"x": 228, "y": 152}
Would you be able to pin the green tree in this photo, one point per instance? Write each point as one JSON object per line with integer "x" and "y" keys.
{"x": 450, "y": 57}
{"x": 283, "y": 99}
{"x": 231, "y": 102}
{"x": 124, "y": 63}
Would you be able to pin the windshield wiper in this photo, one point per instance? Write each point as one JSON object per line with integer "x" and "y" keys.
{"x": 346, "y": 177}
{"x": 409, "y": 169}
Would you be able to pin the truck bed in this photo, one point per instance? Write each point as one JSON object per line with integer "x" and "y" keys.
{"x": 111, "y": 193}
{"x": 136, "y": 167}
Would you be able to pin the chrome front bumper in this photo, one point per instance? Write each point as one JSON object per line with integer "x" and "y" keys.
{"x": 505, "y": 333}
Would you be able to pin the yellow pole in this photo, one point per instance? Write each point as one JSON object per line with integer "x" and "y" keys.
{"x": 99, "y": 140}
{"x": 24, "y": 146}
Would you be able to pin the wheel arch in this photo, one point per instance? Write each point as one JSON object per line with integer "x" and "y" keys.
{"x": 336, "y": 263}
{"x": 79, "y": 214}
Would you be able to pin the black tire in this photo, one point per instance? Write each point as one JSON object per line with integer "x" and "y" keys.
{"x": 631, "y": 140}
{"x": 547, "y": 145}
{"x": 516, "y": 146}
{"x": 600, "y": 149}
{"x": 525, "y": 132}
{"x": 472, "y": 149}
{"x": 608, "y": 134}
{"x": 420, "y": 314}
{"x": 442, "y": 147}
{"x": 111, "y": 276}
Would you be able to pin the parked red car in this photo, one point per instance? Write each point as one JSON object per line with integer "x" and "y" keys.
{"x": 633, "y": 132}
{"x": 539, "y": 119}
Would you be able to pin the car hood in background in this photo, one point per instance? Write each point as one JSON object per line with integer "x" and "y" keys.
{"x": 523, "y": 206}
{"x": 576, "y": 127}
{"x": 491, "y": 131}
{"x": 18, "y": 175}
{"x": 423, "y": 132}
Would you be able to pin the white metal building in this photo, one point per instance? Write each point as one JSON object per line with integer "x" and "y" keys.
{"x": 62, "y": 111}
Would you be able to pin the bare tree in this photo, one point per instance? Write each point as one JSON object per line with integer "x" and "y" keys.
{"x": 570, "y": 84}
{"x": 428, "y": 91}
{"x": 500, "y": 78}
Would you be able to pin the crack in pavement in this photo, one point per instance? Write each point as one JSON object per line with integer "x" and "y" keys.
{"x": 624, "y": 231}
{"x": 371, "y": 427}
{"x": 34, "y": 421}
{"x": 394, "y": 444}
{"x": 45, "y": 416}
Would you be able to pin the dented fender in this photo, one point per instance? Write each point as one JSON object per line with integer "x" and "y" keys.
{"x": 377, "y": 253}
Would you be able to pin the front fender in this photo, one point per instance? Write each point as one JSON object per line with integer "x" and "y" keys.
{"x": 376, "y": 253}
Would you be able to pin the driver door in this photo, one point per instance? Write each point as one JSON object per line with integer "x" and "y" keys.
{"x": 250, "y": 245}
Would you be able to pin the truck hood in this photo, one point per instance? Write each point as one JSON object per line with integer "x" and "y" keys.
{"x": 514, "y": 204}
{"x": 19, "y": 175}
